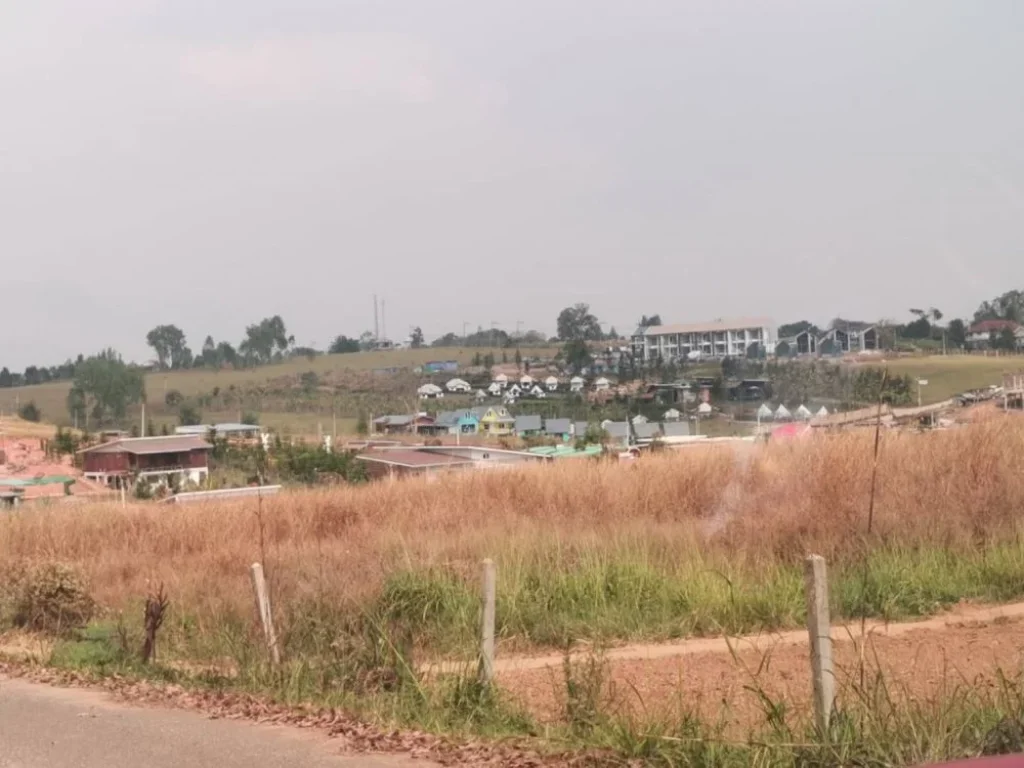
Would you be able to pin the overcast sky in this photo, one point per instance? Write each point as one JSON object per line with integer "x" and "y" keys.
{"x": 210, "y": 163}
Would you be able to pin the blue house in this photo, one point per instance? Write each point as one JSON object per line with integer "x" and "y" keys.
{"x": 459, "y": 422}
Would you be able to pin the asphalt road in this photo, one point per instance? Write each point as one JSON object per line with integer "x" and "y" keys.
{"x": 44, "y": 727}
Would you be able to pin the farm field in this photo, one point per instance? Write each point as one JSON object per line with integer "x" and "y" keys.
{"x": 371, "y": 582}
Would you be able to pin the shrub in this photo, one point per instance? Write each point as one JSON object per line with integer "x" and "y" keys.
{"x": 30, "y": 411}
{"x": 189, "y": 416}
{"x": 173, "y": 398}
{"x": 52, "y": 597}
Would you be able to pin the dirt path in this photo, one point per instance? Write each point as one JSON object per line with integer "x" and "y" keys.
{"x": 715, "y": 677}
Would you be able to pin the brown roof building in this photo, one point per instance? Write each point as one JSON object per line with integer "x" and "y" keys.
{"x": 162, "y": 459}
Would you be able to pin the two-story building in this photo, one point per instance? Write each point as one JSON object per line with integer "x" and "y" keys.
{"x": 717, "y": 339}
{"x": 164, "y": 460}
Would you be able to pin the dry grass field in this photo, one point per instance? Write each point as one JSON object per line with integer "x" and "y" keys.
{"x": 370, "y": 581}
{"x": 694, "y": 542}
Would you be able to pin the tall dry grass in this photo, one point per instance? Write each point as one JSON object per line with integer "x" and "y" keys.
{"x": 752, "y": 508}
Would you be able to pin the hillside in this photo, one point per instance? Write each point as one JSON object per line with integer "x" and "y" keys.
{"x": 343, "y": 384}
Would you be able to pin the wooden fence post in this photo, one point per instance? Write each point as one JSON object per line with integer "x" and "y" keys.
{"x": 487, "y": 623}
{"x": 820, "y": 631}
{"x": 259, "y": 588}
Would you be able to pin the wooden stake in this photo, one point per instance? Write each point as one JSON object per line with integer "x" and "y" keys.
{"x": 259, "y": 588}
{"x": 819, "y": 629}
{"x": 487, "y": 623}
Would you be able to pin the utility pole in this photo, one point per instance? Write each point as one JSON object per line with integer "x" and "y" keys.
{"x": 383, "y": 319}
{"x": 376, "y": 326}
{"x": 464, "y": 337}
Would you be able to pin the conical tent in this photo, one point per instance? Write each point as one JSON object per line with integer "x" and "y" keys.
{"x": 764, "y": 412}
{"x": 704, "y": 408}
{"x": 822, "y": 412}
{"x": 803, "y": 412}
{"x": 783, "y": 413}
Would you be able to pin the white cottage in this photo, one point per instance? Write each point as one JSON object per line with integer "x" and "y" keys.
{"x": 601, "y": 384}
{"x": 576, "y": 384}
{"x": 458, "y": 385}
{"x": 430, "y": 391}
{"x": 551, "y": 382}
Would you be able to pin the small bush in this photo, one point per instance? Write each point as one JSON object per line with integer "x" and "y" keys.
{"x": 52, "y": 597}
{"x": 30, "y": 412}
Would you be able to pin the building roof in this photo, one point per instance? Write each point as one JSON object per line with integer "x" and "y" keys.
{"x": 146, "y": 445}
{"x": 393, "y": 421}
{"x": 676, "y": 429}
{"x": 647, "y": 431}
{"x": 530, "y": 422}
{"x": 716, "y": 325}
{"x": 990, "y": 326}
{"x": 220, "y": 429}
{"x": 616, "y": 429}
{"x": 558, "y": 426}
{"x": 413, "y": 458}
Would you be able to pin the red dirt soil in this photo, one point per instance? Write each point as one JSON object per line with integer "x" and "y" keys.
{"x": 26, "y": 460}
{"x": 967, "y": 647}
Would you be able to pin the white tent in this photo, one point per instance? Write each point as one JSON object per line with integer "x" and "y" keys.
{"x": 551, "y": 382}
{"x": 782, "y": 413}
{"x": 704, "y": 409}
{"x": 515, "y": 390}
{"x": 602, "y": 383}
{"x": 526, "y": 380}
{"x": 822, "y": 412}
{"x": 501, "y": 380}
{"x": 671, "y": 414}
{"x": 495, "y": 388}
{"x": 538, "y": 391}
{"x": 576, "y": 383}
{"x": 458, "y": 385}
{"x": 640, "y": 419}
{"x": 481, "y": 395}
{"x": 803, "y": 413}
{"x": 764, "y": 412}
{"x": 430, "y": 390}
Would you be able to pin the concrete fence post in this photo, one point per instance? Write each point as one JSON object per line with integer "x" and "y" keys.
{"x": 259, "y": 588}
{"x": 487, "y": 622}
{"x": 819, "y": 629}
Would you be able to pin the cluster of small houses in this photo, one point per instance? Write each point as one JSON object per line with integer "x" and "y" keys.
{"x": 510, "y": 390}
{"x": 496, "y": 420}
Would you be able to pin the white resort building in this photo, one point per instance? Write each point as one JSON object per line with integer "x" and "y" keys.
{"x": 720, "y": 338}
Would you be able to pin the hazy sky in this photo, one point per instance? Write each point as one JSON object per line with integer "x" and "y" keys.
{"x": 209, "y": 163}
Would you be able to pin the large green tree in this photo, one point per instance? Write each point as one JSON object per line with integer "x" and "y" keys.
{"x": 1009, "y": 306}
{"x": 577, "y": 322}
{"x": 103, "y": 389}
{"x": 342, "y": 345}
{"x": 264, "y": 341}
{"x": 169, "y": 343}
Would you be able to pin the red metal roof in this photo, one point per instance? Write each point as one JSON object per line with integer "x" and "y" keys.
{"x": 142, "y": 445}
{"x": 988, "y": 326}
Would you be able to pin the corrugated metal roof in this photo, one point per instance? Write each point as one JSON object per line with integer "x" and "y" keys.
{"x": 557, "y": 426}
{"x": 413, "y": 458}
{"x": 717, "y": 325}
{"x": 144, "y": 445}
{"x": 528, "y": 423}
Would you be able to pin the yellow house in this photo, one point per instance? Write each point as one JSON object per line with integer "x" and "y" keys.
{"x": 495, "y": 420}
